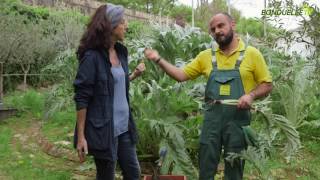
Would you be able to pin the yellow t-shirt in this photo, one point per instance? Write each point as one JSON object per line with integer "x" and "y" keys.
{"x": 253, "y": 69}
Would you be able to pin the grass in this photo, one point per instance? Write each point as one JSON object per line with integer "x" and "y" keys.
{"x": 30, "y": 101}
{"x": 22, "y": 161}
{"x": 25, "y": 162}
{"x": 305, "y": 165}
{"x": 60, "y": 126}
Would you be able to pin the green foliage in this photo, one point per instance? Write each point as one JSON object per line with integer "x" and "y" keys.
{"x": 254, "y": 27}
{"x": 181, "y": 44}
{"x": 24, "y": 45}
{"x": 136, "y": 30}
{"x": 162, "y": 120}
{"x": 30, "y": 101}
{"x": 60, "y": 96}
{"x": 254, "y": 156}
{"x": 297, "y": 90}
{"x": 22, "y": 163}
{"x": 169, "y": 115}
{"x": 165, "y": 7}
{"x": 205, "y": 11}
{"x": 160, "y": 123}
{"x": 15, "y": 7}
{"x": 31, "y": 37}
{"x": 182, "y": 10}
{"x": 149, "y": 6}
{"x": 5, "y": 136}
{"x": 313, "y": 119}
{"x": 60, "y": 125}
{"x": 177, "y": 45}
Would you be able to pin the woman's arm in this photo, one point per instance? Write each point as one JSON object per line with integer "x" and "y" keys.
{"x": 83, "y": 87}
{"x": 82, "y": 146}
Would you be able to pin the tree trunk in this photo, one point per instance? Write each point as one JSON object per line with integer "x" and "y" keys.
{"x": 25, "y": 74}
{"x": 25, "y": 81}
{"x": 148, "y": 6}
{"x": 1, "y": 81}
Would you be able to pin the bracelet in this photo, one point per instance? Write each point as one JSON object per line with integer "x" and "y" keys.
{"x": 252, "y": 94}
{"x": 158, "y": 60}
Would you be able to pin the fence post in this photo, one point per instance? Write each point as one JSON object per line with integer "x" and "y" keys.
{"x": 1, "y": 81}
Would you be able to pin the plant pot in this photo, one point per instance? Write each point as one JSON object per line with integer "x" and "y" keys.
{"x": 166, "y": 177}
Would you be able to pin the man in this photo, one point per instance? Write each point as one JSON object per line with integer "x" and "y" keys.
{"x": 234, "y": 71}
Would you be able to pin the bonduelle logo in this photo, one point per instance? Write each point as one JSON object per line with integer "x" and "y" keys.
{"x": 306, "y": 10}
{"x": 284, "y": 12}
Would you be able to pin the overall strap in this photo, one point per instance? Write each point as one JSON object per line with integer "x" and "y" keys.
{"x": 238, "y": 62}
{"x": 241, "y": 56}
{"x": 214, "y": 59}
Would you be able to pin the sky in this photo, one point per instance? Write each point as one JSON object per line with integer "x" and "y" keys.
{"x": 250, "y": 8}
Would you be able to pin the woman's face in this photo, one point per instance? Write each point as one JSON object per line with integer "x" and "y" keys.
{"x": 120, "y": 30}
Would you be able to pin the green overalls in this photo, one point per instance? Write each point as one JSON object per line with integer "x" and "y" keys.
{"x": 222, "y": 125}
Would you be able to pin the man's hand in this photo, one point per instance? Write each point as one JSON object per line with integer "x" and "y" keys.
{"x": 245, "y": 101}
{"x": 173, "y": 71}
{"x": 261, "y": 90}
{"x": 151, "y": 54}
{"x": 82, "y": 149}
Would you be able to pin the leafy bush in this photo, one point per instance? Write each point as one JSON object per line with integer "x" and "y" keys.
{"x": 61, "y": 94}
{"x": 160, "y": 123}
{"x": 31, "y": 37}
{"x": 30, "y": 101}
{"x": 136, "y": 29}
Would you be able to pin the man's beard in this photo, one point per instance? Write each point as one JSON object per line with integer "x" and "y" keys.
{"x": 226, "y": 41}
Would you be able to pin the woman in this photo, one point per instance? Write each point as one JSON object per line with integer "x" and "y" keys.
{"x": 105, "y": 128}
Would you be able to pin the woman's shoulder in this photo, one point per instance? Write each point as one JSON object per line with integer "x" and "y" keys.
{"x": 92, "y": 55}
{"x": 121, "y": 48}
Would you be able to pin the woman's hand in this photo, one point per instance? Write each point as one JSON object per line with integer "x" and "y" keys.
{"x": 138, "y": 71}
{"x": 82, "y": 148}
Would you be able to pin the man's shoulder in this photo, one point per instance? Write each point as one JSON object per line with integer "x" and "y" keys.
{"x": 204, "y": 56}
{"x": 205, "y": 53}
{"x": 252, "y": 50}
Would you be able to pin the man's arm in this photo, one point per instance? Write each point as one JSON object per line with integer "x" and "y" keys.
{"x": 173, "y": 71}
{"x": 261, "y": 90}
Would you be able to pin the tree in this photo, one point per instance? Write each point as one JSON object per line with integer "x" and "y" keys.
{"x": 28, "y": 43}
{"x": 182, "y": 10}
{"x": 149, "y": 6}
{"x": 205, "y": 10}
{"x": 67, "y": 29}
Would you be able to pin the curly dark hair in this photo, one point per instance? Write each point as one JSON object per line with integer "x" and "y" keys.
{"x": 98, "y": 33}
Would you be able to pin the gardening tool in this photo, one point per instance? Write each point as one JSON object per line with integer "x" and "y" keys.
{"x": 156, "y": 171}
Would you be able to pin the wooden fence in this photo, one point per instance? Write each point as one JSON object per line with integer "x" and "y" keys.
{"x": 16, "y": 74}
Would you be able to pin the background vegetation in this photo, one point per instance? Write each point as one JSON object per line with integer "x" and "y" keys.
{"x": 168, "y": 114}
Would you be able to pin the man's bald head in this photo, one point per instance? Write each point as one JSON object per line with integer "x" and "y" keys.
{"x": 222, "y": 27}
{"x": 222, "y": 15}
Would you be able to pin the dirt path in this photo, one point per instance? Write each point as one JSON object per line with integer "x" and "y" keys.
{"x": 29, "y": 139}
